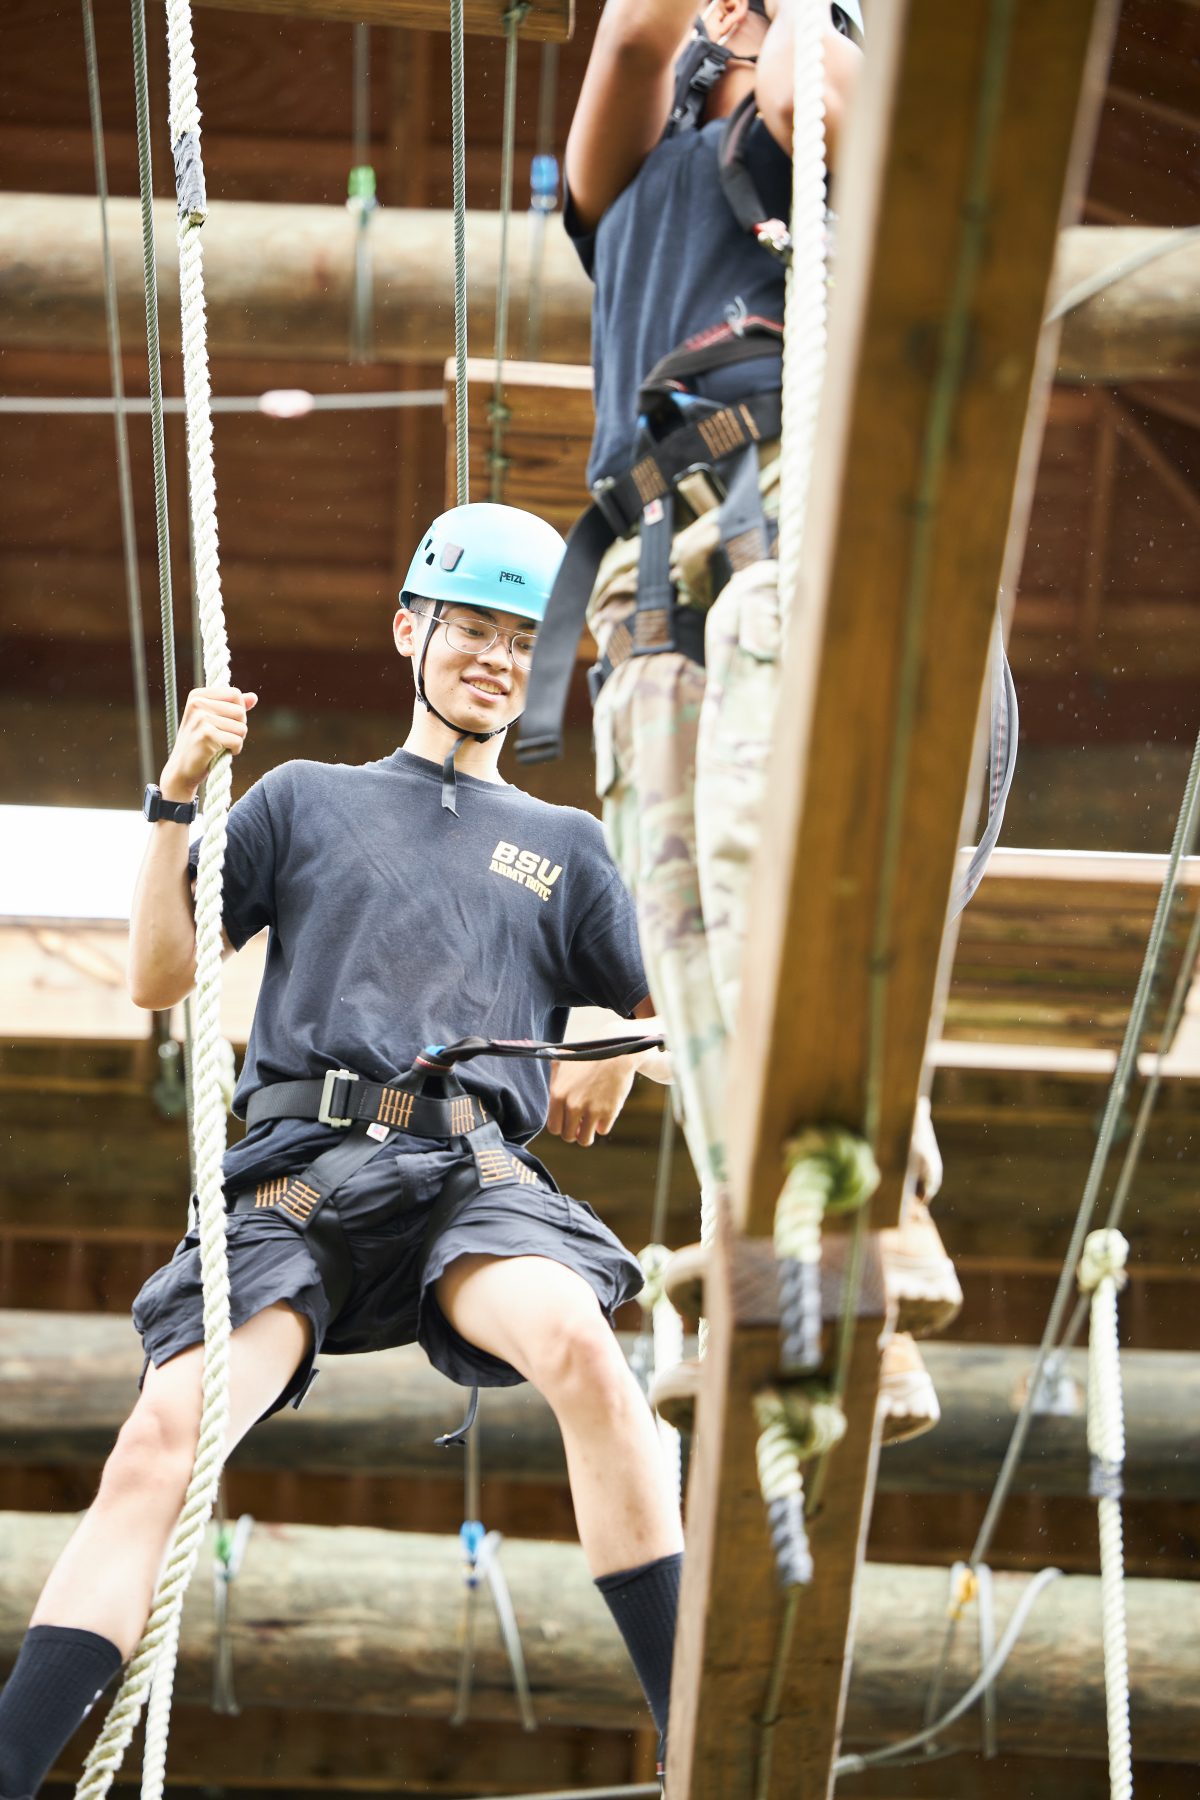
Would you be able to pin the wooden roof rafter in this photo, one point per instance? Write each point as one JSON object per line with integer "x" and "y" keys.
{"x": 549, "y": 20}
{"x": 894, "y": 543}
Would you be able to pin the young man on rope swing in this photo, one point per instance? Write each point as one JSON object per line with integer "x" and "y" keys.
{"x": 409, "y": 901}
{"x": 679, "y": 181}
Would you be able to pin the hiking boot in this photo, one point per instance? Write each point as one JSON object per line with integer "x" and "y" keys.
{"x": 908, "y": 1401}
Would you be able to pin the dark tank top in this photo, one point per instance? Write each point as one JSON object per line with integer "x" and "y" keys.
{"x": 669, "y": 259}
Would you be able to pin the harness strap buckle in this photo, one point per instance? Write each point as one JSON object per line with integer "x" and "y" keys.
{"x": 330, "y": 1094}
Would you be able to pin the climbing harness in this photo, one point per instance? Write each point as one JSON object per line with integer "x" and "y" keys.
{"x": 683, "y": 440}
{"x": 427, "y": 1100}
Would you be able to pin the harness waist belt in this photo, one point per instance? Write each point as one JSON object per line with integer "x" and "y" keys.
{"x": 343, "y": 1099}
{"x": 617, "y": 507}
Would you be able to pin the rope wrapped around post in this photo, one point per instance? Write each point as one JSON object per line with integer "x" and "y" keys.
{"x": 830, "y": 1170}
{"x": 795, "y": 1425}
{"x": 154, "y": 1657}
{"x": 1102, "y": 1275}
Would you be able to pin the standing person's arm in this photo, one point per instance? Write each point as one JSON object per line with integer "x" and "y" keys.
{"x": 625, "y": 99}
{"x": 162, "y": 930}
{"x": 775, "y": 75}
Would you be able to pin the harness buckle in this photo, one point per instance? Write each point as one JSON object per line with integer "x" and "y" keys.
{"x": 325, "y": 1112}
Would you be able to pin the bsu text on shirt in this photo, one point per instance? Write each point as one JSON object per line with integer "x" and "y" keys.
{"x": 525, "y": 867}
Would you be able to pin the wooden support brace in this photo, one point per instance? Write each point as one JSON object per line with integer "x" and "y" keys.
{"x": 920, "y": 493}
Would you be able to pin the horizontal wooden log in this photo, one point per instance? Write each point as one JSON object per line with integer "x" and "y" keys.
{"x": 280, "y": 278}
{"x": 368, "y": 1622}
{"x": 67, "y": 1381}
{"x": 547, "y": 19}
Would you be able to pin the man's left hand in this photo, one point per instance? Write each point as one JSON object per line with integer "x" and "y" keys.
{"x": 585, "y": 1097}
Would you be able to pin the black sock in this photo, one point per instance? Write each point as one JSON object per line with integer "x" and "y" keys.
{"x": 58, "y": 1677}
{"x": 645, "y": 1602}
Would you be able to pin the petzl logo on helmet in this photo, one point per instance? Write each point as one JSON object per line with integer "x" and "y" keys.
{"x": 508, "y": 575}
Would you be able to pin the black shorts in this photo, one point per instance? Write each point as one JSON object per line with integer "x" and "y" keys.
{"x": 385, "y": 1210}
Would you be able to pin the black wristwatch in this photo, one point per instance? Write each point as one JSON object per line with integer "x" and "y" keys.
{"x": 154, "y": 807}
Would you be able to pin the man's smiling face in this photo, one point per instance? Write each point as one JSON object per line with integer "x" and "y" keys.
{"x": 479, "y": 685}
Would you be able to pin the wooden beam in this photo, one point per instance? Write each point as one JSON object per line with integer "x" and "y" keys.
{"x": 277, "y": 1751}
{"x": 67, "y": 1380}
{"x": 549, "y": 20}
{"x": 366, "y": 1622}
{"x": 906, "y": 543}
{"x": 280, "y": 278}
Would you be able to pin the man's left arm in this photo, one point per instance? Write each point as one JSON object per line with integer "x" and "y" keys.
{"x": 586, "y": 1097}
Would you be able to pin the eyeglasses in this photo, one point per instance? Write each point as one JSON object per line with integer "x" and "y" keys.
{"x": 475, "y": 637}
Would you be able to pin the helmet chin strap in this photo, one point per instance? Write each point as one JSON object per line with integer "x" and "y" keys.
{"x": 449, "y": 783}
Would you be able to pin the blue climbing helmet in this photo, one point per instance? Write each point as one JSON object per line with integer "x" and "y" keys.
{"x": 487, "y": 555}
{"x": 497, "y": 557}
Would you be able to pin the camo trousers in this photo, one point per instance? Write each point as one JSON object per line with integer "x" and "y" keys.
{"x": 681, "y": 756}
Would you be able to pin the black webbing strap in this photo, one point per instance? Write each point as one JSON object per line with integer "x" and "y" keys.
{"x": 745, "y": 536}
{"x": 444, "y": 1056}
{"x": 301, "y": 1199}
{"x": 655, "y": 589}
{"x": 618, "y": 507}
{"x": 341, "y": 1099}
{"x": 741, "y": 190}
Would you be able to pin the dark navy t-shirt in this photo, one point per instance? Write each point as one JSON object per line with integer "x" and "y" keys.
{"x": 393, "y": 925}
{"x": 668, "y": 259}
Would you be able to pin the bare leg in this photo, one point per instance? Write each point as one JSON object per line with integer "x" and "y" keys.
{"x": 544, "y": 1319}
{"x": 104, "y": 1580}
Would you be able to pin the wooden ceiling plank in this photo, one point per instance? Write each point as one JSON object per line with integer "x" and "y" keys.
{"x": 1181, "y": 490}
{"x": 813, "y": 1043}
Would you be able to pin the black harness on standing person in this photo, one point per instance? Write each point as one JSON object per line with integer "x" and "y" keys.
{"x": 703, "y": 451}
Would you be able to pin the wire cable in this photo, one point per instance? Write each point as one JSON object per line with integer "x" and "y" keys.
{"x": 513, "y": 16}
{"x": 459, "y": 161}
{"x": 895, "y": 1754}
{"x": 137, "y": 644}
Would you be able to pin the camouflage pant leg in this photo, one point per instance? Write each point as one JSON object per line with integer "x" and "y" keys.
{"x": 645, "y": 727}
{"x": 742, "y": 642}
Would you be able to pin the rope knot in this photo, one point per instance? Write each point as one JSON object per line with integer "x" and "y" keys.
{"x": 654, "y": 1259}
{"x": 840, "y": 1160}
{"x": 1105, "y": 1254}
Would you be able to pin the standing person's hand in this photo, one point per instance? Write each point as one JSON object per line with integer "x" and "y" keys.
{"x": 214, "y": 719}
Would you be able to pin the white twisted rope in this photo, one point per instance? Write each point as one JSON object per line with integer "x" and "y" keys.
{"x": 804, "y": 306}
{"x": 155, "y": 1655}
{"x": 1102, "y": 1274}
{"x": 667, "y": 1339}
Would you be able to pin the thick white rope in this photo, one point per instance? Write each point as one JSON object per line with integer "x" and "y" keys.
{"x": 155, "y": 1655}
{"x": 1102, "y": 1274}
{"x": 805, "y": 302}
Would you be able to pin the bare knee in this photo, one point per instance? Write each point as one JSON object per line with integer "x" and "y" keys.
{"x": 152, "y": 1459}
{"x": 579, "y": 1367}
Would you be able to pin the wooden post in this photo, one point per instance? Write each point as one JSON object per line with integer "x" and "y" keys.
{"x": 920, "y": 492}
